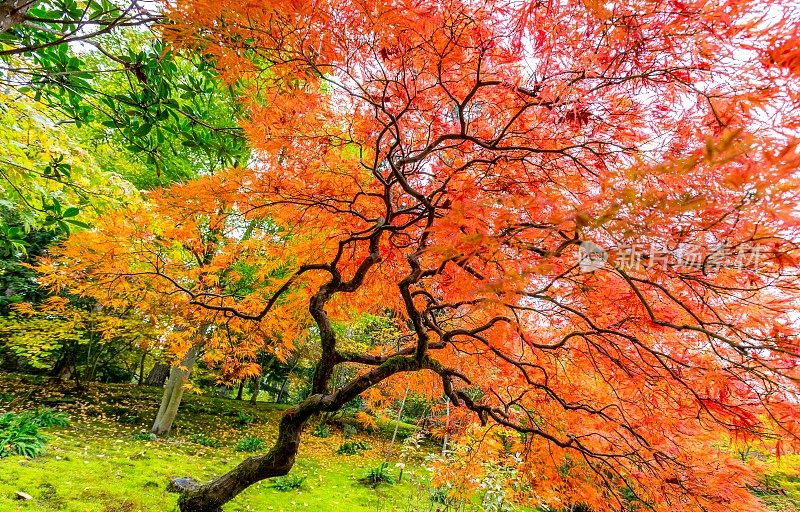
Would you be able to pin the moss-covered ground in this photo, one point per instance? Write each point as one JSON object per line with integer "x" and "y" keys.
{"x": 102, "y": 462}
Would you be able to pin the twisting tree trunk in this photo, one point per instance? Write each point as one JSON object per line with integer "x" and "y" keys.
{"x": 173, "y": 392}
{"x": 280, "y": 459}
{"x": 158, "y": 375}
{"x": 241, "y": 389}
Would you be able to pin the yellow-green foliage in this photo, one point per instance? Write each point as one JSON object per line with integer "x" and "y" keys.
{"x": 37, "y": 339}
{"x": 38, "y": 334}
{"x": 41, "y": 167}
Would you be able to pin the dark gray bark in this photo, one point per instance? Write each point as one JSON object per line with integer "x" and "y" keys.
{"x": 158, "y": 375}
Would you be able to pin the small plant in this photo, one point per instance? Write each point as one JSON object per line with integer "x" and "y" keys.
{"x": 288, "y": 483}
{"x": 322, "y": 431}
{"x": 411, "y": 448}
{"x": 243, "y": 419}
{"x": 378, "y": 475}
{"x": 144, "y": 436}
{"x": 352, "y": 448}
{"x": 19, "y": 435}
{"x": 249, "y": 444}
{"x": 204, "y": 440}
{"x": 47, "y": 417}
{"x": 349, "y": 430}
{"x": 498, "y": 480}
{"x": 443, "y": 495}
{"x": 6, "y": 397}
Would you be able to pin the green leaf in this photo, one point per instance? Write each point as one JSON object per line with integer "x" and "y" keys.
{"x": 78, "y": 223}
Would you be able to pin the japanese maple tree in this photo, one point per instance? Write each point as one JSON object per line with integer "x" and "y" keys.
{"x": 451, "y": 161}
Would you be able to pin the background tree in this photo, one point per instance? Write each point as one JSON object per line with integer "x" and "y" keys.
{"x": 94, "y": 106}
{"x": 46, "y": 176}
{"x": 102, "y": 78}
{"x": 73, "y": 341}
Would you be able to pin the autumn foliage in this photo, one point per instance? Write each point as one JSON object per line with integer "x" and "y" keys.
{"x": 444, "y": 161}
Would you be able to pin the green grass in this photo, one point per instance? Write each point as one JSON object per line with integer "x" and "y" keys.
{"x": 96, "y": 465}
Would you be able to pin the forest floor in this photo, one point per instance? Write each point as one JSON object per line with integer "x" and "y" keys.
{"x": 104, "y": 462}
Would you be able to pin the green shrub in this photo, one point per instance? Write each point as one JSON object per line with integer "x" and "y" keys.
{"x": 250, "y": 444}
{"x": 352, "y": 448}
{"x": 144, "y": 436}
{"x": 321, "y": 430}
{"x": 377, "y": 475}
{"x": 243, "y": 419}
{"x": 194, "y": 408}
{"x": 205, "y": 440}
{"x": 416, "y": 408}
{"x": 288, "y": 483}
{"x": 19, "y": 434}
{"x": 6, "y": 397}
{"x": 47, "y": 417}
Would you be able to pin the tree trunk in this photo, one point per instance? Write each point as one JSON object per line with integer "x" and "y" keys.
{"x": 277, "y": 462}
{"x": 397, "y": 424}
{"x": 141, "y": 369}
{"x": 280, "y": 459}
{"x": 158, "y": 375}
{"x": 446, "y": 429}
{"x": 241, "y": 390}
{"x": 91, "y": 373}
{"x": 173, "y": 393}
{"x": 64, "y": 369}
{"x": 256, "y": 390}
{"x": 285, "y": 384}
{"x": 282, "y": 390}
{"x": 257, "y": 384}
{"x": 12, "y": 12}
